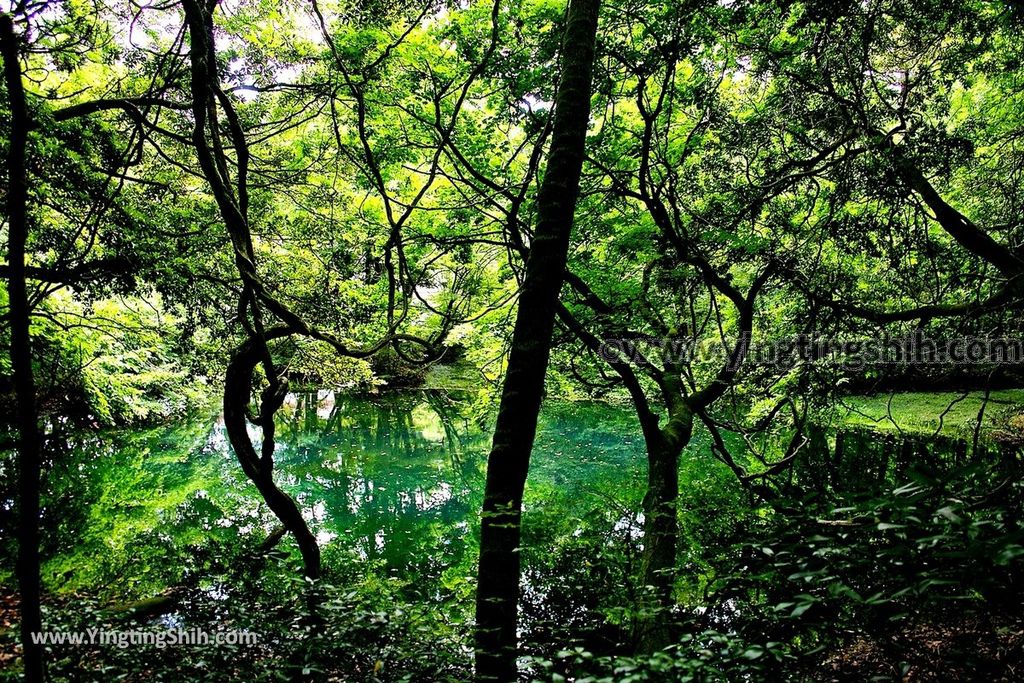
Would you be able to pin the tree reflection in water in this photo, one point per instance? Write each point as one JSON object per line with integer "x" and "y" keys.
{"x": 393, "y": 478}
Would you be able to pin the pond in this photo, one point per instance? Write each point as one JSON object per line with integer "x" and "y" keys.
{"x": 391, "y": 484}
{"x": 394, "y": 480}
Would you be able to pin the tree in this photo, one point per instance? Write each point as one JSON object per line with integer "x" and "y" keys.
{"x": 509, "y": 459}
{"x": 222, "y": 145}
{"x": 29, "y": 448}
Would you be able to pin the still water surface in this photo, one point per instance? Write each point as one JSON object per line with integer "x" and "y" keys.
{"x": 393, "y": 482}
{"x": 394, "y": 479}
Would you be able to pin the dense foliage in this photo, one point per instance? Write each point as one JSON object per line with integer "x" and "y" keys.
{"x": 211, "y": 205}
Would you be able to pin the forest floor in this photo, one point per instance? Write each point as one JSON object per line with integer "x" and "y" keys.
{"x": 963, "y": 647}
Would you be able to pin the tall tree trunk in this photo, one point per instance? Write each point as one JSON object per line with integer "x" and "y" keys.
{"x": 499, "y": 570}
{"x": 660, "y": 517}
{"x": 29, "y": 451}
{"x": 233, "y": 206}
{"x": 661, "y": 534}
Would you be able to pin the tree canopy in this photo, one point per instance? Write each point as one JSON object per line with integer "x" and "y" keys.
{"x": 222, "y": 202}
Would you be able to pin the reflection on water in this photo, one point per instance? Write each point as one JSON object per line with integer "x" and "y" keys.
{"x": 863, "y": 460}
{"x": 398, "y": 478}
{"x": 394, "y": 479}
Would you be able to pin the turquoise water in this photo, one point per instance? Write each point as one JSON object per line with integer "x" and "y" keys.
{"x": 390, "y": 483}
{"x": 393, "y": 480}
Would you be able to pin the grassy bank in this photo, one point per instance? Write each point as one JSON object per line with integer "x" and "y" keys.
{"x": 950, "y": 413}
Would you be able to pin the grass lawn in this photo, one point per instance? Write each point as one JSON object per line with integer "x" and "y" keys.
{"x": 952, "y": 413}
